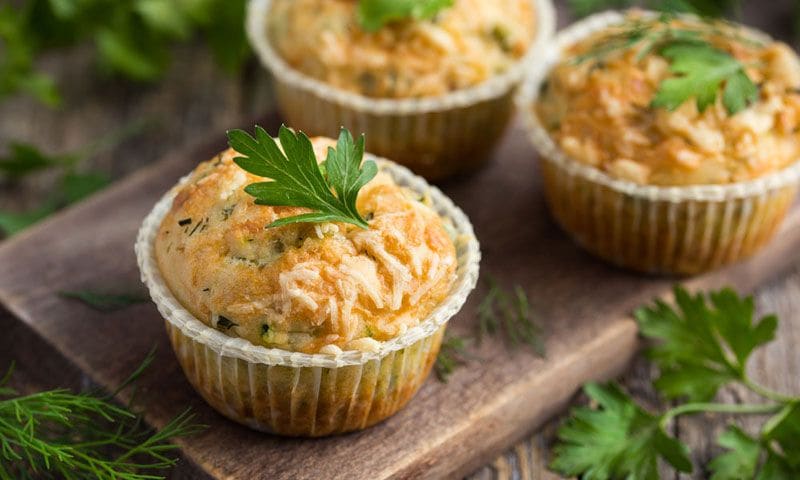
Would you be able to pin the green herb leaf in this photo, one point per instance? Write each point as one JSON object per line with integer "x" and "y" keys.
{"x": 740, "y": 462}
{"x": 17, "y": 61}
{"x": 60, "y": 434}
{"x": 702, "y": 69}
{"x": 105, "y": 302}
{"x": 77, "y": 186}
{"x": 374, "y": 14}
{"x": 739, "y": 92}
{"x": 24, "y": 158}
{"x": 11, "y": 223}
{"x": 703, "y": 347}
{"x": 784, "y": 429}
{"x": 133, "y": 39}
{"x": 123, "y": 51}
{"x": 617, "y": 440}
{"x": 700, "y": 342}
{"x": 165, "y": 16}
{"x": 296, "y": 178}
{"x": 776, "y": 468}
{"x": 225, "y": 34}
{"x": 776, "y": 456}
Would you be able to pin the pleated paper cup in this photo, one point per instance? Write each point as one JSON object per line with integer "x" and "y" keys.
{"x": 299, "y": 394}
{"x": 434, "y": 136}
{"x": 655, "y": 229}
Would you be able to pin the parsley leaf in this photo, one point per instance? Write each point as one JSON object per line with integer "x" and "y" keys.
{"x": 297, "y": 179}
{"x": 24, "y": 158}
{"x": 784, "y": 430}
{"x": 775, "y": 457}
{"x": 11, "y": 223}
{"x": 78, "y": 186}
{"x": 703, "y": 347}
{"x": 740, "y": 462}
{"x": 617, "y": 440}
{"x": 702, "y": 69}
{"x": 701, "y": 342}
{"x": 17, "y": 62}
{"x": 105, "y": 302}
{"x": 374, "y": 14}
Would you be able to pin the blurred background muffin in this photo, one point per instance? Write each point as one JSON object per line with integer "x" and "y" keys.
{"x": 459, "y": 47}
{"x": 670, "y": 144}
{"x": 432, "y": 89}
{"x": 315, "y": 326}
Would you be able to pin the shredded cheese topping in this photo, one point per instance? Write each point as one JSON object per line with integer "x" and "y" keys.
{"x": 303, "y": 287}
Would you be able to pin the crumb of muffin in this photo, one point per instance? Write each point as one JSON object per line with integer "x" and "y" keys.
{"x": 460, "y": 47}
{"x": 599, "y": 112}
{"x": 303, "y": 287}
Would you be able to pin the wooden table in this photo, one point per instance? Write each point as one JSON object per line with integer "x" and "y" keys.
{"x": 196, "y": 101}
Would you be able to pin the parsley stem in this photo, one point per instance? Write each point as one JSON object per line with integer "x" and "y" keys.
{"x": 767, "y": 393}
{"x": 703, "y": 407}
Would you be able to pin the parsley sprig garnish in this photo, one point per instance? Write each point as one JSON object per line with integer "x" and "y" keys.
{"x": 701, "y": 70}
{"x": 61, "y": 434}
{"x": 374, "y": 14}
{"x": 297, "y": 180}
{"x": 700, "y": 347}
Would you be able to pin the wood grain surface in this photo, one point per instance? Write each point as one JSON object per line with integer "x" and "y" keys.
{"x": 195, "y": 103}
{"x": 449, "y": 429}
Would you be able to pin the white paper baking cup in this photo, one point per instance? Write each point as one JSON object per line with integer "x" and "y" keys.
{"x": 659, "y": 229}
{"x": 299, "y": 394}
{"x": 434, "y": 136}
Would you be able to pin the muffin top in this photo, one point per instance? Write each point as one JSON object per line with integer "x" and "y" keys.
{"x": 462, "y": 46}
{"x": 668, "y": 101}
{"x": 308, "y": 287}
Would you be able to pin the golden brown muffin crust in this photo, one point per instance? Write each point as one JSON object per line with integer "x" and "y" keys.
{"x": 462, "y": 46}
{"x": 599, "y": 112}
{"x": 303, "y": 287}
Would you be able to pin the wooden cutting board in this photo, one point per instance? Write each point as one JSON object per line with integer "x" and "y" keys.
{"x": 449, "y": 429}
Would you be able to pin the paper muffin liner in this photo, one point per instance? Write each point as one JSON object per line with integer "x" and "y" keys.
{"x": 434, "y": 136}
{"x": 657, "y": 229}
{"x": 300, "y": 394}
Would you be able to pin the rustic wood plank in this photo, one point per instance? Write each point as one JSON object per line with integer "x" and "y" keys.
{"x": 196, "y": 99}
{"x": 775, "y": 366}
{"x": 448, "y": 430}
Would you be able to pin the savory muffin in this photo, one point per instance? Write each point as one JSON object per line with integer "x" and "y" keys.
{"x": 307, "y": 326}
{"x": 669, "y": 144}
{"x": 600, "y": 109}
{"x": 460, "y": 47}
{"x": 323, "y": 287}
{"x": 432, "y": 90}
